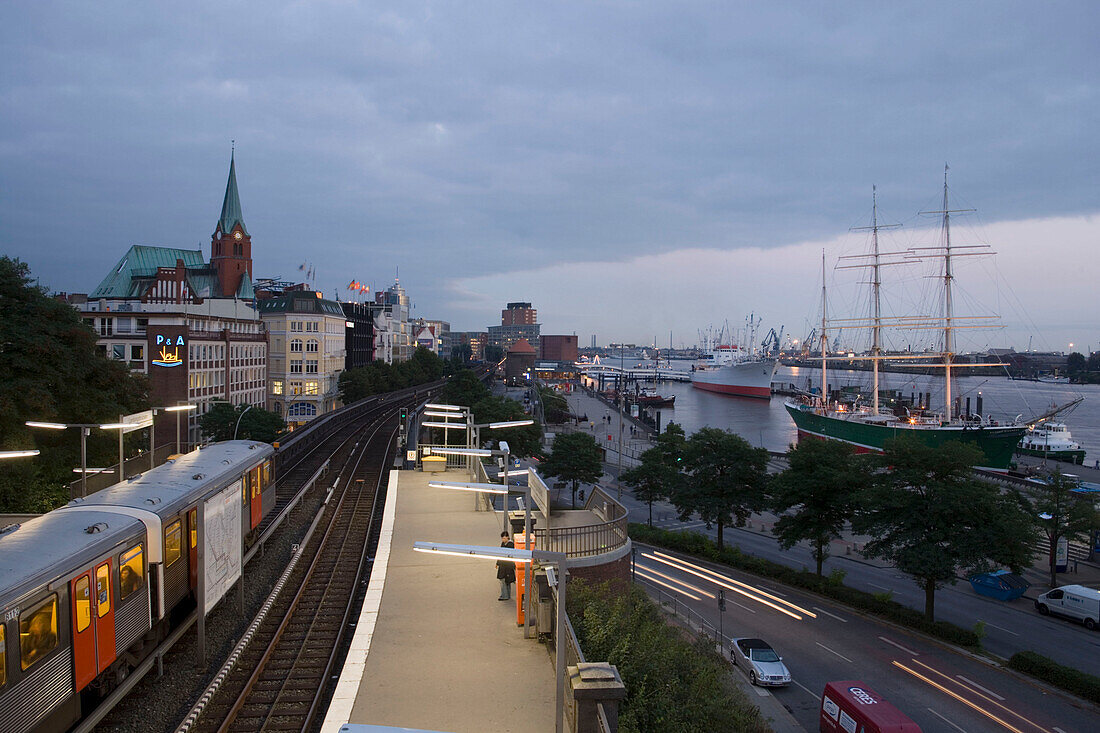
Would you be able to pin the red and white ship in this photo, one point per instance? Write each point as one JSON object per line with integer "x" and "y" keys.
{"x": 736, "y": 369}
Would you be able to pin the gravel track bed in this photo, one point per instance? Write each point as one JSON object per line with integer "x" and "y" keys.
{"x": 160, "y": 704}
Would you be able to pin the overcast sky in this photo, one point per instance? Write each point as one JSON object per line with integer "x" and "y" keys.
{"x": 632, "y": 168}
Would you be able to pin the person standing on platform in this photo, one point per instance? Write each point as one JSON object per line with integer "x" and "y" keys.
{"x": 506, "y": 570}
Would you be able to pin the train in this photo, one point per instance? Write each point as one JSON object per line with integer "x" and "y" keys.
{"x": 89, "y": 590}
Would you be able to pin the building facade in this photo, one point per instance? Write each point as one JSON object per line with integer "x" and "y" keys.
{"x": 189, "y": 324}
{"x": 518, "y": 314}
{"x": 359, "y": 335}
{"x": 306, "y": 354}
{"x": 558, "y": 348}
{"x": 476, "y": 340}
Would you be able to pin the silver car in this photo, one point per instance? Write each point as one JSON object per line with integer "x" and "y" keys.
{"x": 764, "y": 666}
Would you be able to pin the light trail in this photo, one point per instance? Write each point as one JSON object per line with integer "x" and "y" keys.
{"x": 735, "y": 589}
{"x": 974, "y": 706}
{"x": 658, "y": 555}
{"x": 654, "y": 580}
{"x": 988, "y": 699}
{"x": 677, "y": 581}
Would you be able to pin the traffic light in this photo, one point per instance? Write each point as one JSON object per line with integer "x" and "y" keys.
{"x": 404, "y": 414}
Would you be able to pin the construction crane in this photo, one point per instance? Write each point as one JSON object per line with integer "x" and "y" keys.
{"x": 771, "y": 344}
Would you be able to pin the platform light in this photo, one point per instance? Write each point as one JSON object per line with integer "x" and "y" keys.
{"x": 461, "y": 451}
{"x": 436, "y": 413}
{"x": 451, "y": 408}
{"x": 47, "y": 425}
{"x": 451, "y": 425}
{"x": 18, "y": 453}
{"x": 510, "y": 424}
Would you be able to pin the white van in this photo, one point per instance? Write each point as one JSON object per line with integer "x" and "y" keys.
{"x": 1072, "y": 601}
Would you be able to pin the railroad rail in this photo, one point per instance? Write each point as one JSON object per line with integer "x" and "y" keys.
{"x": 279, "y": 681}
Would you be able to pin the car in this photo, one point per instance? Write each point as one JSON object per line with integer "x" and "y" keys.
{"x": 764, "y": 665}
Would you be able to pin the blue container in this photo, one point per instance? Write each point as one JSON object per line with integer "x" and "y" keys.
{"x": 1002, "y": 585}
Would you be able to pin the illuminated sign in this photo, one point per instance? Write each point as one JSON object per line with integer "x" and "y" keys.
{"x": 169, "y": 355}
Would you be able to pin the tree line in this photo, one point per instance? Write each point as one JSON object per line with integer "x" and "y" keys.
{"x": 922, "y": 507}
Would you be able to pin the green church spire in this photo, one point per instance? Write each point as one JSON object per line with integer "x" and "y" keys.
{"x": 231, "y": 206}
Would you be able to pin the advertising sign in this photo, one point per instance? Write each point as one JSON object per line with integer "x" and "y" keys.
{"x": 1061, "y": 555}
{"x": 221, "y": 543}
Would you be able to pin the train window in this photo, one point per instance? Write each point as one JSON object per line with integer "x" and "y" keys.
{"x": 103, "y": 589}
{"x": 254, "y": 476}
{"x": 131, "y": 571}
{"x": 83, "y": 592}
{"x": 3, "y": 658}
{"x": 267, "y": 473}
{"x": 172, "y": 546}
{"x": 193, "y": 521}
{"x": 38, "y": 632}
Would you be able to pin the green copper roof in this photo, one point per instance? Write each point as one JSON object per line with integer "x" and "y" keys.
{"x": 299, "y": 301}
{"x": 245, "y": 290}
{"x": 132, "y": 274}
{"x": 231, "y": 205}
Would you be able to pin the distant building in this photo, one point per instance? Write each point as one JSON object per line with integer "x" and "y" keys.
{"x": 190, "y": 325}
{"x": 434, "y": 335}
{"x": 359, "y": 337}
{"x": 305, "y": 356}
{"x": 476, "y": 340}
{"x": 519, "y": 361}
{"x": 393, "y": 332}
{"x": 518, "y": 314}
{"x": 558, "y": 348}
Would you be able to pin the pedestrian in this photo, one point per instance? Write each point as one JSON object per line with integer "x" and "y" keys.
{"x": 506, "y": 570}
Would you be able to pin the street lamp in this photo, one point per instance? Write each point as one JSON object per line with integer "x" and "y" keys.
{"x": 239, "y": 421}
{"x": 152, "y": 429}
{"x": 85, "y": 429}
{"x": 18, "y": 453}
{"x": 178, "y": 409}
{"x": 525, "y": 556}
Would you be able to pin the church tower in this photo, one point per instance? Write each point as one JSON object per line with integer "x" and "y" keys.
{"x": 231, "y": 246}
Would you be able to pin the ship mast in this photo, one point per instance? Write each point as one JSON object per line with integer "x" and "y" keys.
{"x": 824, "y": 342}
{"x": 876, "y": 285}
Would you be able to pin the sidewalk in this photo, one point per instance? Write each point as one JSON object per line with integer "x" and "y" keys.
{"x": 434, "y": 649}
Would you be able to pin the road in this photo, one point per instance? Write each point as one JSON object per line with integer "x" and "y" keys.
{"x": 941, "y": 689}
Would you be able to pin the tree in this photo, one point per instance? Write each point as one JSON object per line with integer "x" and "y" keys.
{"x": 555, "y": 408}
{"x": 52, "y": 370}
{"x": 461, "y": 353}
{"x": 931, "y": 518}
{"x": 1076, "y": 363}
{"x": 660, "y": 474}
{"x": 574, "y": 457}
{"x": 494, "y": 353}
{"x": 256, "y": 423}
{"x": 380, "y": 377}
{"x": 523, "y": 441}
{"x": 464, "y": 388}
{"x": 725, "y": 482}
{"x": 1058, "y": 512}
{"x": 820, "y": 486}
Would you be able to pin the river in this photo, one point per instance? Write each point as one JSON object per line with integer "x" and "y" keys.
{"x": 766, "y": 422}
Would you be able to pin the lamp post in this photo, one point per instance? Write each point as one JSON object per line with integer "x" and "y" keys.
{"x": 235, "y": 427}
{"x": 525, "y": 556}
{"x": 178, "y": 409}
{"x": 85, "y": 430}
{"x": 152, "y": 430}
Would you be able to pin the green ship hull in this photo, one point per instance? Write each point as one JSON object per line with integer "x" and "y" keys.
{"x": 997, "y": 443}
{"x": 1069, "y": 456}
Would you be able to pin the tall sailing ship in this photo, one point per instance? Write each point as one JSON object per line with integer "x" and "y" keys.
{"x": 868, "y": 426}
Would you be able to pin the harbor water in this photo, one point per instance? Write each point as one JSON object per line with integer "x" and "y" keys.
{"x": 766, "y": 422}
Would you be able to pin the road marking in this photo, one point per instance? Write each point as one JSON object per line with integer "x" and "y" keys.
{"x": 750, "y": 610}
{"x": 878, "y": 586}
{"x": 838, "y": 618}
{"x": 1056, "y": 729}
{"x": 813, "y": 694}
{"x": 1001, "y": 628}
{"x": 762, "y": 692}
{"x": 849, "y": 661}
{"x": 899, "y": 646}
{"x": 948, "y": 721}
{"x": 986, "y": 690}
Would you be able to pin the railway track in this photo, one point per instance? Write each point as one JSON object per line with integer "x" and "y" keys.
{"x": 279, "y": 681}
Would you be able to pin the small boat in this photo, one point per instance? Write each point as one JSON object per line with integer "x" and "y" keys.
{"x": 1052, "y": 379}
{"x": 649, "y": 398}
{"x": 1052, "y": 440}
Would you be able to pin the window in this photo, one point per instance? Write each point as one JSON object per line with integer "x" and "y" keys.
{"x": 302, "y": 409}
{"x": 311, "y": 388}
{"x": 193, "y": 522}
{"x": 83, "y": 603}
{"x": 103, "y": 590}
{"x": 172, "y": 546}
{"x": 296, "y": 366}
{"x": 296, "y": 345}
{"x": 311, "y": 366}
{"x": 137, "y": 353}
{"x": 38, "y": 632}
{"x": 3, "y": 658}
{"x": 276, "y": 386}
{"x": 311, "y": 346}
{"x": 131, "y": 572}
{"x": 296, "y": 388}
{"x": 267, "y": 472}
{"x": 118, "y": 351}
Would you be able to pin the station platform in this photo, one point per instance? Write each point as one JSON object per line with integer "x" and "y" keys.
{"x": 433, "y": 648}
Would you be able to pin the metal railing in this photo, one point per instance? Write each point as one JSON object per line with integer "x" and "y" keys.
{"x": 677, "y": 608}
{"x": 131, "y": 467}
{"x": 590, "y": 539}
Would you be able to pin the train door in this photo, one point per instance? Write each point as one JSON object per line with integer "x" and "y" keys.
{"x": 104, "y": 617}
{"x": 255, "y": 491}
{"x": 193, "y": 547}
{"x": 84, "y": 646}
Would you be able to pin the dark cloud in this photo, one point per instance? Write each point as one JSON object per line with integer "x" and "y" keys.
{"x": 472, "y": 138}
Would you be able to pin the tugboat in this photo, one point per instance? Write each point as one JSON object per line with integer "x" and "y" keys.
{"x": 1052, "y": 440}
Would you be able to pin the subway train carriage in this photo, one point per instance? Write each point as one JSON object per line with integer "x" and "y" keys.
{"x": 88, "y": 590}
